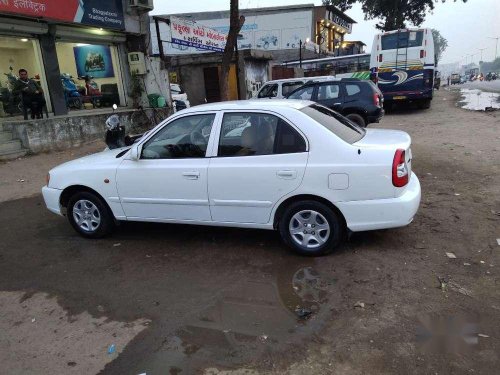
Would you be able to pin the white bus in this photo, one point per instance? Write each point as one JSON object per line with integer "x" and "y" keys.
{"x": 402, "y": 64}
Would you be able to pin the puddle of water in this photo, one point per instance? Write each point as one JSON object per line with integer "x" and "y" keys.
{"x": 249, "y": 320}
{"x": 478, "y": 100}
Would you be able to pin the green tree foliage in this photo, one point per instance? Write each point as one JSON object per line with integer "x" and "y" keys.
{"x": 440, "y": 44}
{"x": 393, "y": 14}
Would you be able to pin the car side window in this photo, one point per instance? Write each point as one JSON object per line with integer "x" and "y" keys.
{"x": 288, "y": 87}
{"x": 186, "y": 137}
{"x": 330, "y": 91}
{"x": 304, "y": 93}
{"x": 268, "y": 91}
{"x": 352, "y": 89}
{"x": 252, "y": 134}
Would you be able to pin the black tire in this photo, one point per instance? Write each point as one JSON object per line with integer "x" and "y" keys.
{"x": 106, "y": 220}
{"x": 424, "y": 104}
{"x": 331, "y": 239}
{"x": 357, "y": 119}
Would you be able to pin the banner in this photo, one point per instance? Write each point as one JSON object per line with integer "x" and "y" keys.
{"x": 94, "y": 60}
{"x": 98, "y": 13}
{"x": 190, "y": 34}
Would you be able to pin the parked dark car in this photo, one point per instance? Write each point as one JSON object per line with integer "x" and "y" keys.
{"x": 358, "y": 100}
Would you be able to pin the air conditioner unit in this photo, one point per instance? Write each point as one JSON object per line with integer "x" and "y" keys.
{"x": 142, "y": 4}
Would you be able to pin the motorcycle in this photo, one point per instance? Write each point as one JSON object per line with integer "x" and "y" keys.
{"x": 11, "y": 103}
{"x": 71, "y": 94}
{"x": 91, "y": 93}
{"x": 115, "y": 133}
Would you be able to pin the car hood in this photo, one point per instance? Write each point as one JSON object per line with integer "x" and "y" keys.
{"x": 107, "y": 157}
{"x": 384, "y": 138}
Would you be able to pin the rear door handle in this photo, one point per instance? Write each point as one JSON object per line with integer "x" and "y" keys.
{"x": 191, "y": 175}
{"x": 287, "y": 174}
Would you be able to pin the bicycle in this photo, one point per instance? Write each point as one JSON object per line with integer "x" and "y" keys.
{"x": 141, "y": 121}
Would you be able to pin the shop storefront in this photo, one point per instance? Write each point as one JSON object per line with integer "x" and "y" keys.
{"x": 73, "y": 49}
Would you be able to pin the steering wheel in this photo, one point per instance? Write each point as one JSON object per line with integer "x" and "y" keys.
{"x": 197, "y": 139}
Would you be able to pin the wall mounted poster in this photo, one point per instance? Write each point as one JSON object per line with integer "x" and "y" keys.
{"x": 94, "y": 60}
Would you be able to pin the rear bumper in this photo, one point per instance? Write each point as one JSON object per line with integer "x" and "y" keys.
{"x": 407, "y": 96}
{"x": 375, "y": 116}
{"x": 383, "y": 213}
{"x": 51, "y": 197}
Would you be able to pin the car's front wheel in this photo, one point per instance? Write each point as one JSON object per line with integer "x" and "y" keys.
{"x": 311, "y": 228}
{"x": 89, "y": 215}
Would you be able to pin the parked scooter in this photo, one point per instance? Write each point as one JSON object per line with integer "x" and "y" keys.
{"x": 71, "y": 94}
{"x": 92, "y": 93}
{"x": 115, "y": 133}
{"x": 11, "y": 103}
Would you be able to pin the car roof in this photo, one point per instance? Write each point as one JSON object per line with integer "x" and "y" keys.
{"x": 250, "y": 105}
{"x": 302, "y": 79}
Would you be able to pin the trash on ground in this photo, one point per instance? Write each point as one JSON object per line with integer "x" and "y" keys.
{"x": 263, "y": 337}
{"x": 466, "y": 264}
{"x": 498, "y": 241}
{"x": 457, "y": 288}
{"x": 451, "y": 255}
{"x": 442, "y": 283}
{"x": 33, "y": 320}
{"x": 111, "y": 349}
{"x": 302, "y": 312}
{"x": 100, "y": 308}
{"x": 483, "y": 335}
{"x": 20, "y": 180}
{"x": 457, "y": 194}
{"x": 359, "y": 304}
{"x": 117, "y": 244}
{"x": 478, "y": 100}
{"x": 482, "y": 262}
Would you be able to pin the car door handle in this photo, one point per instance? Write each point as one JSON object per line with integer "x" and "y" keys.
{"x": 287, "y": 174}
{"x": 337, "y": 103}
{"x": 191, "y": 175}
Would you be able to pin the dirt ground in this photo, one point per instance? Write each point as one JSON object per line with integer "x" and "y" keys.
{"x": 195, "y": 300}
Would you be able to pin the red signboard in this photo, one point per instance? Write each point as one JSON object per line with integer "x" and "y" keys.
{"x": 61, "y": 10}
{"x": 90, "y": 12}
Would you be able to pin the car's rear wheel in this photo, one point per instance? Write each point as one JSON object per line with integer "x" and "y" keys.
{"x": 357, "y": 119}
{"x": 424, "y": 104}
{"x": 311, "y": 228}
{"x": 89, "y": 215}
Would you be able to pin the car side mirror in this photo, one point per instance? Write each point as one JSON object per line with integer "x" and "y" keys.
{"x": 135, "y": 152}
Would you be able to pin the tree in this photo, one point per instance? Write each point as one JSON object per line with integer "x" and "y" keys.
{"x": 393, "y": 14}
{"x": 440, "y": 44}
{"x": 235, "y": 23}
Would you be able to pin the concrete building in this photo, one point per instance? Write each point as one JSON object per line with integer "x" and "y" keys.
{"x": 279, "y": 30}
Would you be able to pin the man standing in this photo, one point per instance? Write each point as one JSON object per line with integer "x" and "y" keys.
{"x": 31, "y": 93}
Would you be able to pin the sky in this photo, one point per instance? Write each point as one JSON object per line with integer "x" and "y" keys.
{"x": 465, "y": 26}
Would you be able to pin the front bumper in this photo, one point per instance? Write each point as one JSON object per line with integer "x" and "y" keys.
{"x": 383, "y": 213}
{"x": 52, "y": 197}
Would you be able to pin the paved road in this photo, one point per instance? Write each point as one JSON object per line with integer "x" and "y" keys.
{"x": 179, "y": 299}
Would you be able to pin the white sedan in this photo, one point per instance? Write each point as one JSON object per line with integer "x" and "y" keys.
{"x": 293, "y": 166}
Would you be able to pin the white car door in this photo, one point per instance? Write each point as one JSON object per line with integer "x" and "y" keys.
{"x": 260, "y": 158}
{"x": 169, "y": 181}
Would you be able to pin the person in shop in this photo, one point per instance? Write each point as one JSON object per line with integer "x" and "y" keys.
{"x": 31, "y": 93}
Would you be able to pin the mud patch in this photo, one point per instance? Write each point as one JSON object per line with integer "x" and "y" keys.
{"x": 38, "y": 337}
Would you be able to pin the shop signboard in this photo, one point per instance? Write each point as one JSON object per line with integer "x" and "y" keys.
{"x": 94, "y": 60}
{"x": 191, "y": 34}
{"x": 98, "y": 13}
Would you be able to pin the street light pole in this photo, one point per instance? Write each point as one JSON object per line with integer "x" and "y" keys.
{"x": 300, "y": 53}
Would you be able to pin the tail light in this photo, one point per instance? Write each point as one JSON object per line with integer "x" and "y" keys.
{"x": 399, "y": 169}
{"x": 376, "y": 99}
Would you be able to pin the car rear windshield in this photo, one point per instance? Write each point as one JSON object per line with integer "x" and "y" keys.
{"x": 336, "y": 123}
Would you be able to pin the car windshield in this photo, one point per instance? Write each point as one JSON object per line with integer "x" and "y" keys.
{"x": 336, "y": 123}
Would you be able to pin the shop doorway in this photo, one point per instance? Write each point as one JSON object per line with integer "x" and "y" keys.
{"x": 212, "y": 89}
